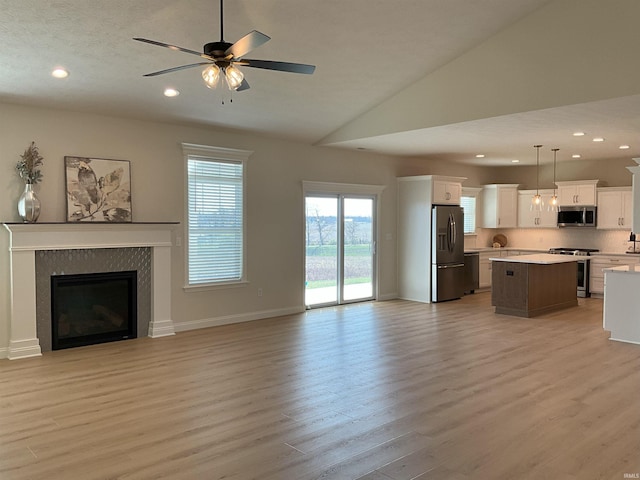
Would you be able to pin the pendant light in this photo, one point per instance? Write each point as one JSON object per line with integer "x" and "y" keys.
{"x": 536, "y": 201}
{"x": 553, "y": 202}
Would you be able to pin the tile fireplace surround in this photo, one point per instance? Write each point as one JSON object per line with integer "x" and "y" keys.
{"x": 27, "y": 239}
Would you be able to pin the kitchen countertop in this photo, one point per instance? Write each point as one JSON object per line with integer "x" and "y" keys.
{"x": 615, "y": 254}
{"x": 633, "y": 269}
{"x": 546, "y": 250}
{"x": 539, "y": 258}
{"x": 504, "y": 249}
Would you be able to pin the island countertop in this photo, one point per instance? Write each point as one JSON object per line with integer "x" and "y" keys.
{"x": 539, "y": 258}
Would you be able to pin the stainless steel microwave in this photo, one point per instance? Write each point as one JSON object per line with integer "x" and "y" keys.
{"x": 569, "y": 216}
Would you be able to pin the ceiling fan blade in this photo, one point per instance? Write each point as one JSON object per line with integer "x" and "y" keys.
{"x": 250, "y": 41}
{"x": 280, "y": 66}
{"x": 173, "y": 47}
{"x": 175, "y": 69}
{"x": 243, "y": 86}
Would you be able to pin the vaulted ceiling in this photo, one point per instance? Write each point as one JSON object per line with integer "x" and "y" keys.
{"x": 445, "y": 79}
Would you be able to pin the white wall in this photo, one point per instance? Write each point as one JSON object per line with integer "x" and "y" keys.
{"x": 275, "y": 215}
{"x": 565, "y": 53}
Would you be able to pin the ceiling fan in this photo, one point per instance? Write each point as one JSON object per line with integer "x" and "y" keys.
{"x": 224, "y": 58}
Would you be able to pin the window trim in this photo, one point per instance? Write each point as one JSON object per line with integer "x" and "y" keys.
{"x": 473, "y": 193}
{"x": 206, "y": 152}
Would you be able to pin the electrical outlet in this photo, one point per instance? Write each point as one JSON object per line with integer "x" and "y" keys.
{"x": 259, "y": 292}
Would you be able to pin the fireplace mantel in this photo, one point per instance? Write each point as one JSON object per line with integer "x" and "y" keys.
{"x": 26, "y": 239}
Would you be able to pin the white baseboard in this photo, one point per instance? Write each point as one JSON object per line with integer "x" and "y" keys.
{"x": 4, "y": 352}
{"x": 239, "y": 318}
{"x": 163, "y": 328}
{"x": 388, "y": 296}
{"x": 29, "y": 347}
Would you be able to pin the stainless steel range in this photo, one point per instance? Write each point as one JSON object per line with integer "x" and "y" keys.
{"x": 583, "y": 266}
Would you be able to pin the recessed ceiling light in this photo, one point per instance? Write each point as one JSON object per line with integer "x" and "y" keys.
{"x": 576, "y": 155}
{"x": 624, "y": 147}
{"x": 578, "y": 134}
{"x": 60, "y": 73}
{"x": 598, "y": 139}
{"x": 480, "y": 155}
{"x": 171, "y": 92}
{"x": 515, "y": 161}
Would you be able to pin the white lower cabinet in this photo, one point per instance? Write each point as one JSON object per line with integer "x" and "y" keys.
{"x": 599, "y": 262}
{"x": 484, "y": 277}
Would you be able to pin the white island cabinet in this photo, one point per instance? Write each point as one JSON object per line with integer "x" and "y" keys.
{"x": 622, "y": 303}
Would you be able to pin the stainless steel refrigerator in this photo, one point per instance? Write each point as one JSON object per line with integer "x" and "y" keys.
{"x": 447, "y": 253}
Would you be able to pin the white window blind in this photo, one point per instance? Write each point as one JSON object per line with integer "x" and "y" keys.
{"x": 469, "y": 205}
{"x": 216, "y": 223}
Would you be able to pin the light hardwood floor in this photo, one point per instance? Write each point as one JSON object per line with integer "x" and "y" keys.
{"x": 374, "y": 391}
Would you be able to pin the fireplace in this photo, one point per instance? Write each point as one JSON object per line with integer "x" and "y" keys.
{"x": 93, "y": 308}
{"x": 39, "y": 250}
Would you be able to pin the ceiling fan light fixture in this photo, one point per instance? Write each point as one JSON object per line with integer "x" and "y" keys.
{"x": 211, "y": 76}
{"x": 233, "y": 76}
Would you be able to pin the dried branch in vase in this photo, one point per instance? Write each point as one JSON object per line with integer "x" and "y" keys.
{"x": 28, "y": 166}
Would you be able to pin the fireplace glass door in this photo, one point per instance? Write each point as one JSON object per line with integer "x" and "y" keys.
{"x": 93, "y": 308}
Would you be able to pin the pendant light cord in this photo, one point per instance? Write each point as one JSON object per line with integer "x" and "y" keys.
{"x": 537, "y": 147}
{"x": 555, "y": 151}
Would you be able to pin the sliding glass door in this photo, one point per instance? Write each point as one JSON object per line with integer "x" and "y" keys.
{"x": 340, "y": 249}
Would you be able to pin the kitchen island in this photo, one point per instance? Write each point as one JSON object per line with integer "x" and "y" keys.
{"x": 532, "y": 285}
{"x": 622, "y": 303}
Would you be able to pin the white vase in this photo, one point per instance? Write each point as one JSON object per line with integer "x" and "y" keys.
{"x": 29, "y": 205}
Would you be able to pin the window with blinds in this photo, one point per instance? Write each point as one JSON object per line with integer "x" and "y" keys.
{"x": 469, "y": 206}
{"x": 215, "y": 220}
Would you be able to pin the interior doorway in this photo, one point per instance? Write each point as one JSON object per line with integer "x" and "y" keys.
{"x": 340, "y": 249}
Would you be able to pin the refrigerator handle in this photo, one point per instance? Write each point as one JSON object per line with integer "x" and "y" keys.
{"x": 454, "y": 231}
{"x": 451, "y": 234}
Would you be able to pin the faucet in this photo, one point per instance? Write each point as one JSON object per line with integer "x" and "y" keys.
{"x": 632, "y": 238}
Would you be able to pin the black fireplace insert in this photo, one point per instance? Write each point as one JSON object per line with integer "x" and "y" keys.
{"x": 92, "y": 308}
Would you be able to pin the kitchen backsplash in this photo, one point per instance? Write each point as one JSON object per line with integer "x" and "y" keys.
{"x": 607, "y": 241}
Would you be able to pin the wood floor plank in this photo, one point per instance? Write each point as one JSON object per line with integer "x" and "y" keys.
{"x": 391, "y": 390}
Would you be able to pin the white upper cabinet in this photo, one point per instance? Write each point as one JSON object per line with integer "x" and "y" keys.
{"x": 580, "y": 192}
{"x": 500, "y": 206}
{"x": 447, "y": 191}
{"x": 615, "y": 208}
{"x": 531, "y": 218}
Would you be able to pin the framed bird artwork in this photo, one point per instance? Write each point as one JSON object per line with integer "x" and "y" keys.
{"x": 98, "y": 190}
